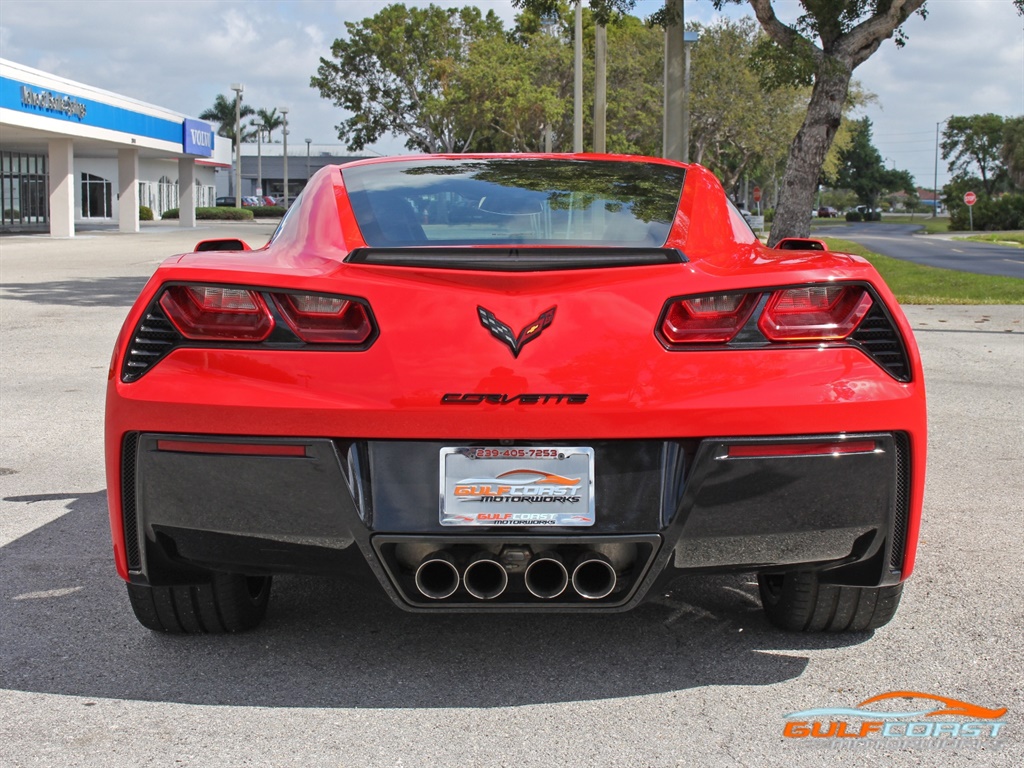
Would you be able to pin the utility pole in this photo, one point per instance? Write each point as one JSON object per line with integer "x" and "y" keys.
{"x": 600, "y": 88}
{"x": 689, "y": 38}
{"x": 675, "y": 87}
{"x": 577, "y": 116}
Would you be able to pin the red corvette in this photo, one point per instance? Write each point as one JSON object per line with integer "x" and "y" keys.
{"x": 515, "y": 383}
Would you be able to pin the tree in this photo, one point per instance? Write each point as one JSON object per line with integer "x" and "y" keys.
{"x": 736, "y": 124}
{"x": 223, "y": 112}
{"x": 267, "y": 120}
{"x": 396, "y": 75}
{"x": 636, "y": 67}
{"x": 849, "y": 32}
{"x": 515, "y": 88}
{"x": 1013, "y": 148}
{"x": 975, "y": 144}
{"x": 863, "y": 171}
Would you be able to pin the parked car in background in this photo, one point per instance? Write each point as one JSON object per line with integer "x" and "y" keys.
{"x": 248, "y": 201}
{"x": 827, "y": 212}
{"x": 868, "y": 213}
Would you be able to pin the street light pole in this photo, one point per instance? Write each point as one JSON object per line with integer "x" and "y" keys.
{"x": 935, "y": 188}
{"x": 284, "y": 129}
{"x": 238, "y": 88}
{"x": 259, "y": 161}
{"x": 308, "y": 142}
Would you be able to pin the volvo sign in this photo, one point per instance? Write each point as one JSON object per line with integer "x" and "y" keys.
{"x": 197, "y": 138}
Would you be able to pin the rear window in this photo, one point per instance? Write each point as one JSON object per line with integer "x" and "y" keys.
{"x": 501, "y": 201}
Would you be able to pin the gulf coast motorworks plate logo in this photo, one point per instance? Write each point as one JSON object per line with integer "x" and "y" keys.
{"x": 913, "y": 718}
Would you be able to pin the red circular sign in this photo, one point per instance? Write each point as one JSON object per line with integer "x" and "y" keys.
{"x": 757, "y": 194}
{"x": 970, "y": 198}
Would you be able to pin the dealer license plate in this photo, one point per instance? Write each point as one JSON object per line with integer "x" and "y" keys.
{"x": 500, "y": 485}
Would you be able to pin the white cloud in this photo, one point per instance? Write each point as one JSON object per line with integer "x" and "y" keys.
{"x": 965, "y": 58}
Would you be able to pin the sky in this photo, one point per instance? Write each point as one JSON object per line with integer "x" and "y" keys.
{"x": 966, "y": 58}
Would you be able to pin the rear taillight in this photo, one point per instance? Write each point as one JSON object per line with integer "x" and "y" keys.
{"x": 822, "y": 313}
{"x": 213, "y": 313}
{"x": 320, "y": 319}
{"x": 814, "y": 313}
{"x": 199, "y": 315}
{"x": 707, "y": 319}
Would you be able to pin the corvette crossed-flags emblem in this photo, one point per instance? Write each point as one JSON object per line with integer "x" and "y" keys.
{"x": 503, "y": 333}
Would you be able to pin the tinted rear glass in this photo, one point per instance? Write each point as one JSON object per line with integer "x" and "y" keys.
{"x": 510, "y": 201}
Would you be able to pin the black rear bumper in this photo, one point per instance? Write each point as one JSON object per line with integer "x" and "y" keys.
{"x": 259, "y": 505}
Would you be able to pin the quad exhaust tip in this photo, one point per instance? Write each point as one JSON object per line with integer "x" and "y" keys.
{"x": 594, "y": 576}
{"x": 437, "y": 577}
{"x": 546, "y": 576}
{"x": 485, "y": 577}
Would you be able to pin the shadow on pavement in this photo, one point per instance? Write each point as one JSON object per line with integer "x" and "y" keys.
{"x": 66, "y": 628}
{"x": 91, "y": 292}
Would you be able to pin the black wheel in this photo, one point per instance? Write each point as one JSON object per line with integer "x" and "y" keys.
{"x": 230, "y": 602}
{"x": 798, "y": 602}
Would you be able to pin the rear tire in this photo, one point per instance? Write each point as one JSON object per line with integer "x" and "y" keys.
{"x": 797, "y": 601}
{"x": 230, "y": 602}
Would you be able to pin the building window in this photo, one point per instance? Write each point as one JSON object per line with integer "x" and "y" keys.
{"x": 24, "y": 192}
{"x": 95, "y": 197}
{"x": 167, "y": 194}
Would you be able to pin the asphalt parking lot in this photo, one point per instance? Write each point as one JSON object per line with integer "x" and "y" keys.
{"x": 337, "y": 676}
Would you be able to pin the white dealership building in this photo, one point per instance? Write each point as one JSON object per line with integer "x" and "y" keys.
{"x": 73, "y": 155}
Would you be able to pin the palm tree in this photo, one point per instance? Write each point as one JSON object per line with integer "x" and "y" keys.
{"x": 267, "y": 120}
{"x": 223, "y": 112}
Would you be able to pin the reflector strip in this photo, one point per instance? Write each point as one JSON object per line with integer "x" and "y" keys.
{"x": 766, "y": 450}
{"x": 238, "y": 449}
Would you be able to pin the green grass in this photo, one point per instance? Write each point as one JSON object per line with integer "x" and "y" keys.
{"x": 916, "y": 284}
{"x": 931, "y": 226}
{"x": 1011, "y": 239}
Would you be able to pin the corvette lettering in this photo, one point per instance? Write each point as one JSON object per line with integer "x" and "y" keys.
{"x": 478, "y": 398}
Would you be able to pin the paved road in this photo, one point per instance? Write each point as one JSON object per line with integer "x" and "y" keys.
{"x": 337, "y": 676}
{"x": 900, "y": 242}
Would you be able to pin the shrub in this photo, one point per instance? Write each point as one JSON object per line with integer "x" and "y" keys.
{"x": 145, "y": 213}
{"x": 215, "y": 214}
{"x": 12, "y": 213}
{"x": 1006, "y": 212}
{"x": 854, "y": 216}
{"x": 268, "y": 212}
